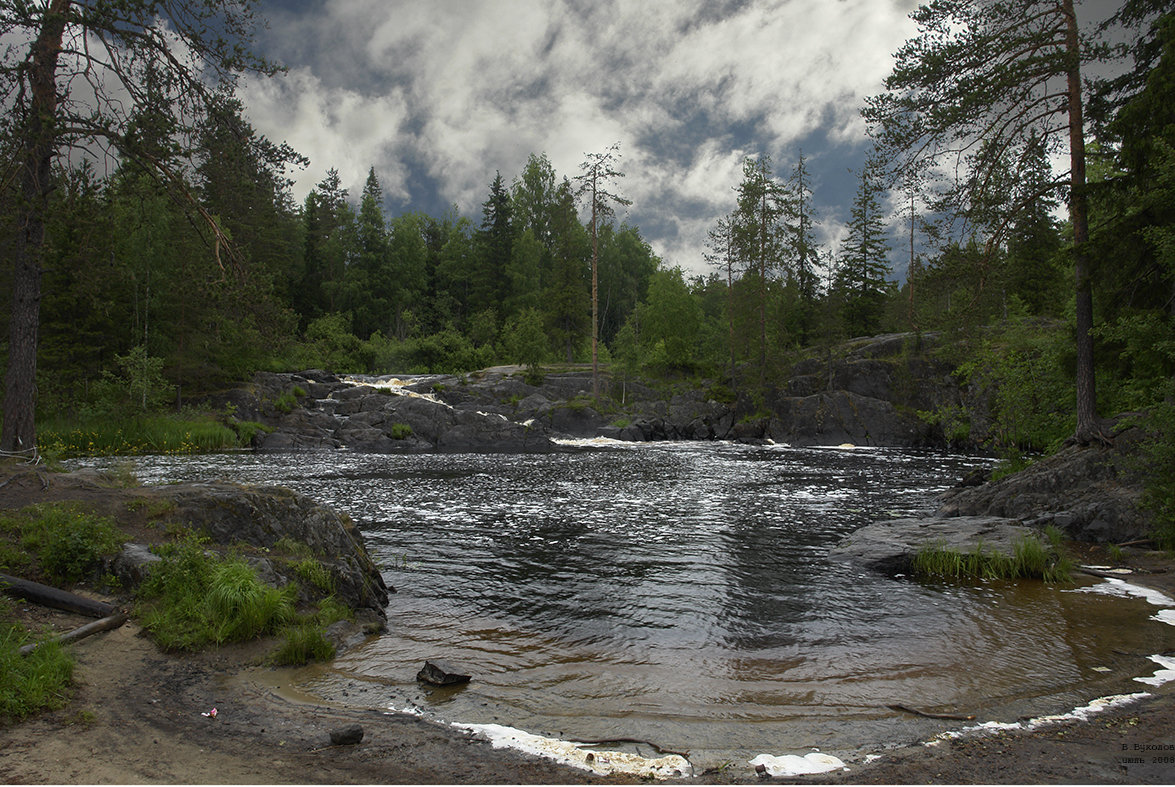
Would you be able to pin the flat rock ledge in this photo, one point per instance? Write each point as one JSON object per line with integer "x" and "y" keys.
{"x": 890, "y": 546}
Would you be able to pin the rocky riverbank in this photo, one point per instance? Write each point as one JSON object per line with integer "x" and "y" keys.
{"x": 1089, "y": 493}
{"x": 869, "y": 392}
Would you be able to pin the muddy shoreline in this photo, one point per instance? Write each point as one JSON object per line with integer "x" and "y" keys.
{"x": 137, "y": 716}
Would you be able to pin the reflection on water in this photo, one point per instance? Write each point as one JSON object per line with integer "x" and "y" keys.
{"x": 682, "y": 594}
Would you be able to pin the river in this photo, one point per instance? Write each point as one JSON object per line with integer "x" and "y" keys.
{"x": 682, "y": 593}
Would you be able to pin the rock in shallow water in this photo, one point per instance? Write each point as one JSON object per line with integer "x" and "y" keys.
{"x": 890, "y": 546}
{"x": 441, "y": 673}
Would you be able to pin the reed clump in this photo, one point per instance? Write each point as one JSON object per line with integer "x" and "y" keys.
{"x": 144, "y": 434}
{"x": 1030, "y": 559}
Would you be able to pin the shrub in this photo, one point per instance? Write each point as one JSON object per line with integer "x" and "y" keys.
{"x": 285, "y": 403}
{"x": 67, "y": 541}
{"x": 401, "y": 431}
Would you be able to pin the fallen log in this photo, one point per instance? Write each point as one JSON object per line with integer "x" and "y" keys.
{"x": 105, "y": 624}
{"x": 53, "y": 597}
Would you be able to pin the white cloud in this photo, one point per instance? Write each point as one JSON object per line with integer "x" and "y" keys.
{"x": 334, "y": 128}
{"x": 456, "y": 90}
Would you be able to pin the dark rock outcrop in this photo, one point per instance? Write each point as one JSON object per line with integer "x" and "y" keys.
{"x": 262, "y": 516}
{"x": 869, "y": 392}
{"x": 1090, "y": 493}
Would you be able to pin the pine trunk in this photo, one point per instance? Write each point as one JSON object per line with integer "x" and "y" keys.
{"x": 34, "y": 162}
{"x": 1087, "y": 420}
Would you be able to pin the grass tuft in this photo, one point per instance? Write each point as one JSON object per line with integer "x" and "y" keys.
{"x": 193, "y": 598}
{"x": 1031, "y": 559}
{"x": 303, "y": 642}
{"x": 32, "y": 683}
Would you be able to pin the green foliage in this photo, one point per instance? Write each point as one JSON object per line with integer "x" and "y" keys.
{"x": 1158, "y": 465}
{"x": 1010, "y": 465}
{"x": 524, "y": 339}
{"x": 285, "y": 402}
{"x": 314, "y": 573}
{"x": 32, "y": 683}
{"x": 955, "y": 421}
{"x": 247, "y": 431}
{"x": 1022, "y": 367}
{"x": 401, "y": 431}
{"x": 193, "y": 598}
{"x": 68, "y": 542}
{"x": 330, "y": 610}
{"x": 287, "y": 545}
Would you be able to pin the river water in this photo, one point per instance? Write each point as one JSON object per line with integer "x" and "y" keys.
{"x": 682, "y": 593}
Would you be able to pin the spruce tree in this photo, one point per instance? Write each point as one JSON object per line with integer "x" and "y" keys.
{"x": 864, "y": 259}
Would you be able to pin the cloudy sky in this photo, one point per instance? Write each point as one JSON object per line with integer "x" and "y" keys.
{"x": 438, "y": 95}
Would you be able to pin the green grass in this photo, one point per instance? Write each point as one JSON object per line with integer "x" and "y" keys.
{"x": 32, "y": 683}
{"x": 147, "y": 434}
{"x": 314, "y": 573}
{"x": 401, "y": 431}
{"x": 193, "y": 598}
{"x": 303, "y": 642}
{"x": 1031, "y": 559}
{"x": 65, "y": 540}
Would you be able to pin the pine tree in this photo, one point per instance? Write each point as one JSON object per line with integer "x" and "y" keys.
{"x": 760, "y": 236}
{"x": 1000, "y": 74}
{"x": 598, "y": 171}
{"x": 496, "y": 241}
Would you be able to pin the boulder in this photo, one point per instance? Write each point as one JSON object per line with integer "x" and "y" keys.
{"x": 890, "y": 546}
{"x": 442, "y": 673}
{"x": 346, "y": 736}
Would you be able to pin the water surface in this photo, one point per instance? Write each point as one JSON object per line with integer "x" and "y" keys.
{"x": 682, "y": 593}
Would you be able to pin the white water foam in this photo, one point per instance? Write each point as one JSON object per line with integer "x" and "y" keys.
{"x": 1123, "y": 589}
{"x": 581, "y": 756}
{"x": 1100, "y": 705}
{"x": 1110, "y": 587}
{"x": 795, "y": 765}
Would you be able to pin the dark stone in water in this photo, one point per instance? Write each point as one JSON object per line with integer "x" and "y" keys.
{"x": 346, "y": 736}
{"x": 441, "y": 673}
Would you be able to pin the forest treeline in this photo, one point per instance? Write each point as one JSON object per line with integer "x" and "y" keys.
{"x": 159, "y": 289}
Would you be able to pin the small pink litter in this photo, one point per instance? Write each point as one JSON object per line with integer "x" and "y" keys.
{"x": 211, "y": 714}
